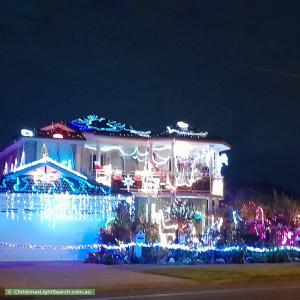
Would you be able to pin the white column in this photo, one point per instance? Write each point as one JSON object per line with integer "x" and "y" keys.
{"x": 78, "y": 157}
{"x": 173, "y": 168}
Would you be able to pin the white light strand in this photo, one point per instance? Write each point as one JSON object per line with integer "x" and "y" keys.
{"x": 50, "y": 160}
{"x": 188, "y": 133}
{"x": 135, "y": 151}
{"x": 161, "y": 148}
{"x": 201, "y": 249}
{"x": 159, "y": 163}
{"x": 160, "y": 157}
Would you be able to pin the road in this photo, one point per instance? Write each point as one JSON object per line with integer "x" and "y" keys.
{"x": 129, "y": 282}
{"x": 269, "y": 293}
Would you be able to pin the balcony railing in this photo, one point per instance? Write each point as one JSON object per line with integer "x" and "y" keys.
{"x": 151, "y": 182}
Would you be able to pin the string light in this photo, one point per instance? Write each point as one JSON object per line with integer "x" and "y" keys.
{"x": 63, "y": 207}
{"x": 128, "y": 182}
{"x": 217, "y": 187}
{"x": 27, "y": 133}
{"x": 185, "y": 132}
{"x": 159, "y": 163}
{"x": 58, "y": 133}
{"x": 193, "y": 248}
{"x": 161, "y": 148}
{"x": 119, "y": 148}
{"x": 183, "y": 125}
{"x": 260, "y": 223}
{"x": 93, "y": 123}
{"x": 48, "y": 160}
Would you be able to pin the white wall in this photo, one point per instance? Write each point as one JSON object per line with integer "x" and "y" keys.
{"x": 77, "y": 224}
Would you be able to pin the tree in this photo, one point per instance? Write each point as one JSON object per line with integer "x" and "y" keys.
{"x": 122, "y": 227}
{"x": 182, "y": 213}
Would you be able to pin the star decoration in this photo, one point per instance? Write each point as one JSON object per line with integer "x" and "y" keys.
{"x": 128, "y": 182}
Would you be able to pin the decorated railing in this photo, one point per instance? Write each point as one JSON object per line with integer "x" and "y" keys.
{"x": 154, "y": 181}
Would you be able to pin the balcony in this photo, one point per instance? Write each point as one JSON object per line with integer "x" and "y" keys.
{"x": 154, "y": 182}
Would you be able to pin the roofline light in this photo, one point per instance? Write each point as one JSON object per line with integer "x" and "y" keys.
{"x": 27, "y": 132}
{"x": 182, "y": 125}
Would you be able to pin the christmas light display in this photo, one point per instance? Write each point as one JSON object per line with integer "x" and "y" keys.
{"x": 5, "y": 171}
{"x": 54, "y": 132}
{"x": 22, "y": 162}
{"x": 27, "y": 133}
{"x": 287, "y": 237}
{"x": 161, "y": 148}
{"x": 184, "y": 132}
{"x": 236, "y": 218}
{"x": 159, "y": 219}
{"x": 192, "y": 248}
{"x": 61, "y": 207}
{"x": 128, "y": 182}
{"x": 220, "y": 160}
{"x": 162, "y": 162}
{"x": 93, "y": 123}
{"x": 190, "y": 163}
{"x": 49, "y": 190}
{"x": 182, "y": 125}
{"x": 135, "y": 154}
{"x": 47, "y": 160}
{"x": 217, "y": 187}
{"x": 260, "y": 227}
{"x": 192, "y": 166}
{"x": 57, "y": 136}
{"x": 46, "y": 182}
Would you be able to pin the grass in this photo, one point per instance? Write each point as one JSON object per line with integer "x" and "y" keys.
{"x": 230, "y": 273}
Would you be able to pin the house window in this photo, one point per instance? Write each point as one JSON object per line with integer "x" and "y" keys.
{"x": 102, "y": 160}
{"x": 93, "y": 159}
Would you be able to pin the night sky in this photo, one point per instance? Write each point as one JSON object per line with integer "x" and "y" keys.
{"x": 229, "y": 67}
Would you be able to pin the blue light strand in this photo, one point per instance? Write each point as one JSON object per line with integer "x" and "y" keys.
{"x": 22, "y": 184}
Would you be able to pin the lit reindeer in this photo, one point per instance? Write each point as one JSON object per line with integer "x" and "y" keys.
{"x": 166, "y": 232}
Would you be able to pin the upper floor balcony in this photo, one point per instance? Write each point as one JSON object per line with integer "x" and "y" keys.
{"x": 155, "y": 182}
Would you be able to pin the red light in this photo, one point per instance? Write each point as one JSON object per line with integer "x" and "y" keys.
{"x": 136, "y": 178}
{"x": 57, "y": 136}
{"x": 118, "y": 177}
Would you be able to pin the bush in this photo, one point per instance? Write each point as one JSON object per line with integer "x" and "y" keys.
{"x": 108, "y": 259}
{"x": 92, "y": 258}
{"x": 153, "y": 255}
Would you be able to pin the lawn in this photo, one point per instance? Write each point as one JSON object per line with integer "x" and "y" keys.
{"x": 230, "y": 273}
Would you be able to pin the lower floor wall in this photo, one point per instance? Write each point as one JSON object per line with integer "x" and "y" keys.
{"x": 28, "y": 222}
{"x": 64, "y": 224}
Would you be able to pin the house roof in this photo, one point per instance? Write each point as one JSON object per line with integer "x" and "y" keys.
{"x": 99, "y": 125}
{"x": 78, "y": 129}
{"x": 48, "y": 176}
{"x": 58, "y": 130}
{"x": 188, "y": 134}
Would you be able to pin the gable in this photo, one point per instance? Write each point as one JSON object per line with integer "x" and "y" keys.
{"x": 48, "y": 176}
{"x": 58, "y": 126}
